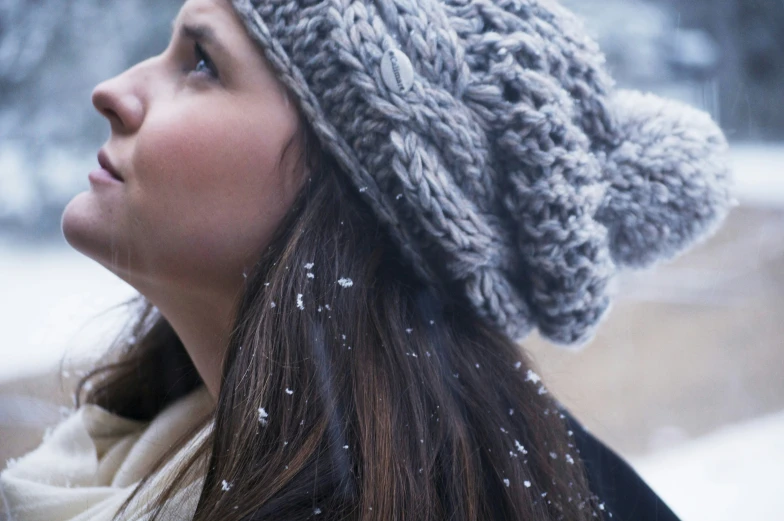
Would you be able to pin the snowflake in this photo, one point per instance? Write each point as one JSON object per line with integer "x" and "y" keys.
{"x": 506, "y": 482}
{"x": 289, "y": 391}
{"x": 346, "y": 282}
{"x": 225, "y": 485}
{"x": 263, "y": 416}
{"x": 532, "y": 377}
{"x": 309, "y": 266}
{"x": 527, "y": 484}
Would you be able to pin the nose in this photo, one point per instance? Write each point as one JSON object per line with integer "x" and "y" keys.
{"x": 121, "y": 101}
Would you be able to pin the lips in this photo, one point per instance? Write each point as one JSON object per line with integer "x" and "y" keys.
{"x": 106, "y": 164}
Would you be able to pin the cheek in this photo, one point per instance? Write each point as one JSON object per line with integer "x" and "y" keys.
{"x": 209, "y": 186}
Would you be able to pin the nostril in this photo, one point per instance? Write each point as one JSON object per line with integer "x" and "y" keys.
{"x": 110, "y": 114}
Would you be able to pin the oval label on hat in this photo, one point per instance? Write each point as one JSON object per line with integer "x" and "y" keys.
{"x": 397, "y": 71}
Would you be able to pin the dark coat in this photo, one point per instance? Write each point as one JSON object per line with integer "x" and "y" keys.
{"x": 625, "y": 495}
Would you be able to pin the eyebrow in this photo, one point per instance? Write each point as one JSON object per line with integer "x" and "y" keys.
{"x": 203, "y": 34}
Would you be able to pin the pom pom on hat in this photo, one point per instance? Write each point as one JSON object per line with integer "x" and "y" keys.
{"x": 670, "y": 180}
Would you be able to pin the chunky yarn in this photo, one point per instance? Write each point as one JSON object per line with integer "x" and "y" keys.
{"x": 511, "y": 165}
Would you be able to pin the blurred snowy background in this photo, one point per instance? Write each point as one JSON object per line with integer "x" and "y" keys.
{"x": 684, "y": 376}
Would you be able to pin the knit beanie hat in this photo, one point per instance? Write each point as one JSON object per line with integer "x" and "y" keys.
{"x": 491, "y": 142}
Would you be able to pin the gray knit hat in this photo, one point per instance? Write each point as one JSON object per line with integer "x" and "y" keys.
{"x": 490, "y": 140}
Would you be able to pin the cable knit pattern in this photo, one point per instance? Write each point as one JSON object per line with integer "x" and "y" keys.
{"x": 512, "y": 165}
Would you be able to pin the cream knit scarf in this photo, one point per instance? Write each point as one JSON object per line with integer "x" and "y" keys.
{"x": 91, "y": 462}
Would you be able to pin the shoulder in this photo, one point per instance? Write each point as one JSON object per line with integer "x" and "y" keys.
{"x": 624, "y": 493}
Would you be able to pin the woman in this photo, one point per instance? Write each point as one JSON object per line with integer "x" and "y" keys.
{"x": 340, "y": 217}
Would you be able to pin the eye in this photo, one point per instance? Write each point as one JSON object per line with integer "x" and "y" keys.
{"x": 204, "y": 64}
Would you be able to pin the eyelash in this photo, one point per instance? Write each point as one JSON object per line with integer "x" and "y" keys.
{"x": 202, "y": 57}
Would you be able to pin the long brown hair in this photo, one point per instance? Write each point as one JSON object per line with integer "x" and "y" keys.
{"x": 386, "y": 398}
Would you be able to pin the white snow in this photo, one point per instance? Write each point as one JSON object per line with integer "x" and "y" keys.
{"x": 55, "y": 301}
{"x": 758, "y": 173}
{"x": 532, "y": 377}
{"x": 263, "y": 416}
{"x": 733, "y": 473}
{"x": 345, "y": 282}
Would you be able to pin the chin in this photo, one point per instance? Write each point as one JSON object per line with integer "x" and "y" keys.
{"x": 86, "y": 229}
{"x": 72, "y": 222}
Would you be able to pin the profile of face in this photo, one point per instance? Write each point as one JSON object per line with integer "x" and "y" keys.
{"x": 197, "y": 136}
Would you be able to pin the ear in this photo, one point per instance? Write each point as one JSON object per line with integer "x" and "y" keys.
{"x": 670, "y": 184}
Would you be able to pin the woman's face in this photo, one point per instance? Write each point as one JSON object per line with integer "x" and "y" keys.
{"x": 197, "y": 133}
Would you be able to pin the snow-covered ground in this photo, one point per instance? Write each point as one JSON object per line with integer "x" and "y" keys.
{"x": 733, "y": 473}
{"x": 758, "y": 170}
{"x": 52, "y": 299}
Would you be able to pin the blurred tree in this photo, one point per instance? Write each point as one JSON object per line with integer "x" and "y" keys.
{"x": 750, "y": 34}
{"x": 52, "y": 53}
